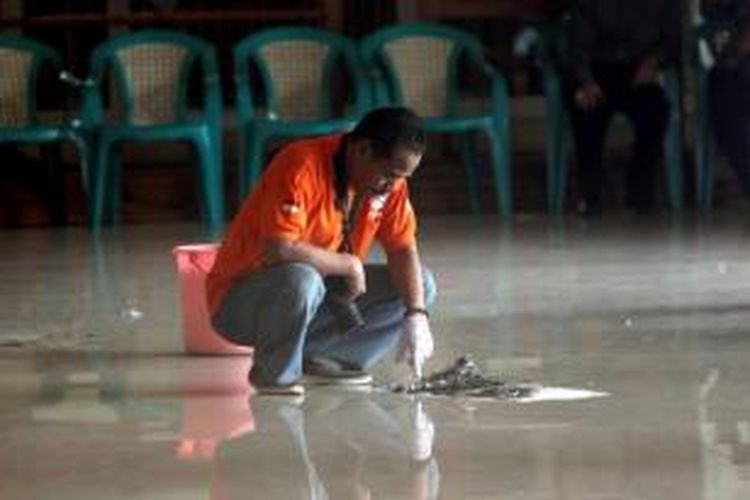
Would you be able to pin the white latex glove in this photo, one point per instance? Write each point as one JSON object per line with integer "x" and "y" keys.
{"x": 416, "y": 343}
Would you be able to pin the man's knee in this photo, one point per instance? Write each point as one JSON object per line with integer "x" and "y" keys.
{"x": 295, "y": 289}
{"x": 302, "y": 283}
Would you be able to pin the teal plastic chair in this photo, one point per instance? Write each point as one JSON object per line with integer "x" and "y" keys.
{"x": 701, "y": 40}
{"x": 417, "y": 65}
{"x": 22, "y": 61}
{"x": 557, "y": 126}
{"x": 297, "y": 68}
{"x": 149, "y": 73}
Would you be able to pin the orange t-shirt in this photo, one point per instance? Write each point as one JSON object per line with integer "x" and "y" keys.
{"x": 296, "y": 200}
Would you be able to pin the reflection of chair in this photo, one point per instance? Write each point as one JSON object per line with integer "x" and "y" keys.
{"x": 22, "y": 62}
{"x": 557, "y": 126}
{"x": 298, "y": 68}
{"x": 150, "y": 72}
{"x": 417, "y": 65}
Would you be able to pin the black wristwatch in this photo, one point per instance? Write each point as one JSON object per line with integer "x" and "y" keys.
{"x": 411, "y": 311}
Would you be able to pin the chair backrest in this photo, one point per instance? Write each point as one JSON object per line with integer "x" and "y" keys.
{"x": 296, "y": 67}
{"x": 420, "y": 64}
{"x": 21, "y": 60}
{"x": 151, "y": 70}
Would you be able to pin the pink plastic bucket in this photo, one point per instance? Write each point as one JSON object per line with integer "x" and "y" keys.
{"x": 193, "y": 264}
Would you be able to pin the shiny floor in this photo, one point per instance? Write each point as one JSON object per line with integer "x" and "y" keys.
{"x": 98, "y": 400}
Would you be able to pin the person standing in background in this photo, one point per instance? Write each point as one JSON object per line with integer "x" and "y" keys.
{"x": 729, "y": 84}
{"x": 615, "y": 51}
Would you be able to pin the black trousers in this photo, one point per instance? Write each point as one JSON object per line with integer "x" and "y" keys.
{"x": 730, "y": 112}
{"x": 647, "y": 109}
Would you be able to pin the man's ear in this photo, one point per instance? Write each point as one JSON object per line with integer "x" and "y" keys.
{"x": 363, "y": 148}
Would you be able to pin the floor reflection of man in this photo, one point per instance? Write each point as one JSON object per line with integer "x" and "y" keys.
{"x": 338, "y": 444}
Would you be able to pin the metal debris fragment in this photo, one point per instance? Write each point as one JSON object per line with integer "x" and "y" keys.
{"x": 464, "y": 378}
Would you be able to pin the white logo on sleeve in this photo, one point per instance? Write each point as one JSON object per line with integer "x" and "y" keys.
{"x": 290, "y": 208}
{"x": 377, "y": 203}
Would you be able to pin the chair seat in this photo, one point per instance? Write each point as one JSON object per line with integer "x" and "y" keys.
{"x": 457, "y": 124}
{"x": 153, "y": 133}
{"x": 295, "y": 129}
{"x": 35, "y": 133}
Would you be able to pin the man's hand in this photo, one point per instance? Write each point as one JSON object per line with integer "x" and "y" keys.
{"x": 279, "y": 251}
{"x": 355, "y": 277}
{"x": 647, "y": 72}
{"x": 416, "y": 343}
{"x": 589, "y": 95}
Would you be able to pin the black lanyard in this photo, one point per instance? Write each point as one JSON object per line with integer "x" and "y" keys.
{"x": 341, "y": 187}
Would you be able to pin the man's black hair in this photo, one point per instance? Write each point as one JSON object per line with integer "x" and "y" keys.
{"x": 390, "y": 128}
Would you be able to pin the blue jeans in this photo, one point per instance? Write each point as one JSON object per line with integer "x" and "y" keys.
{"x": 281, "y": 312}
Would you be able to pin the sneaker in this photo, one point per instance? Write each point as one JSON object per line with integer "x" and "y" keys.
{"x": 324, "y": 371}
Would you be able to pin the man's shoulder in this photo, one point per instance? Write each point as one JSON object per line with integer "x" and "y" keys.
{"x": 314, "y": 147}
{"x": 304, "y": 161}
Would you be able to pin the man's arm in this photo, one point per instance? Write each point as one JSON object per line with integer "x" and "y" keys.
{"x": 405, "y": 269}
{"x": 328, "y": 263}
{"x": 416, "y": 344}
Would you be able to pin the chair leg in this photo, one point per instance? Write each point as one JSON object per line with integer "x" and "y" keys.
{"x": 252, "y": 163}
{"x": 87, "y": 150}
{"x": 561, "y": 164}
{"x": 499, "y": 145}
{"x": 704, "y": 175}
{"x": 471, "y": 162}
{"x": 211, "y": 183}
{"x": 673, "y": 161}
{"x": 703, "y": 147}
{"x": 555, "y": 140}
{"x": 555, "y": 145}
{"x": 97, "y": 184}
{"x": 245, "y": 135}
{"x": 55, "y": 179}
{"x": 551, "y": 161}
{"x": 242, "y": 160}
{"x": 114, "y": 190}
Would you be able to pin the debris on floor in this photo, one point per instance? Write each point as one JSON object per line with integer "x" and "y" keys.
{"x": 464, "y": 378}
{"x": 19, "y": 340}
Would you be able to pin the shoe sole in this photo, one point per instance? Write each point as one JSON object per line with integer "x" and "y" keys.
{"x": 295, "y": 390}
{"x": 363, "y": 380}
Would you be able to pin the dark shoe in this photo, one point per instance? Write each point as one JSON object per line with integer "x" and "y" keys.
{"x": 326, "y": 371}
